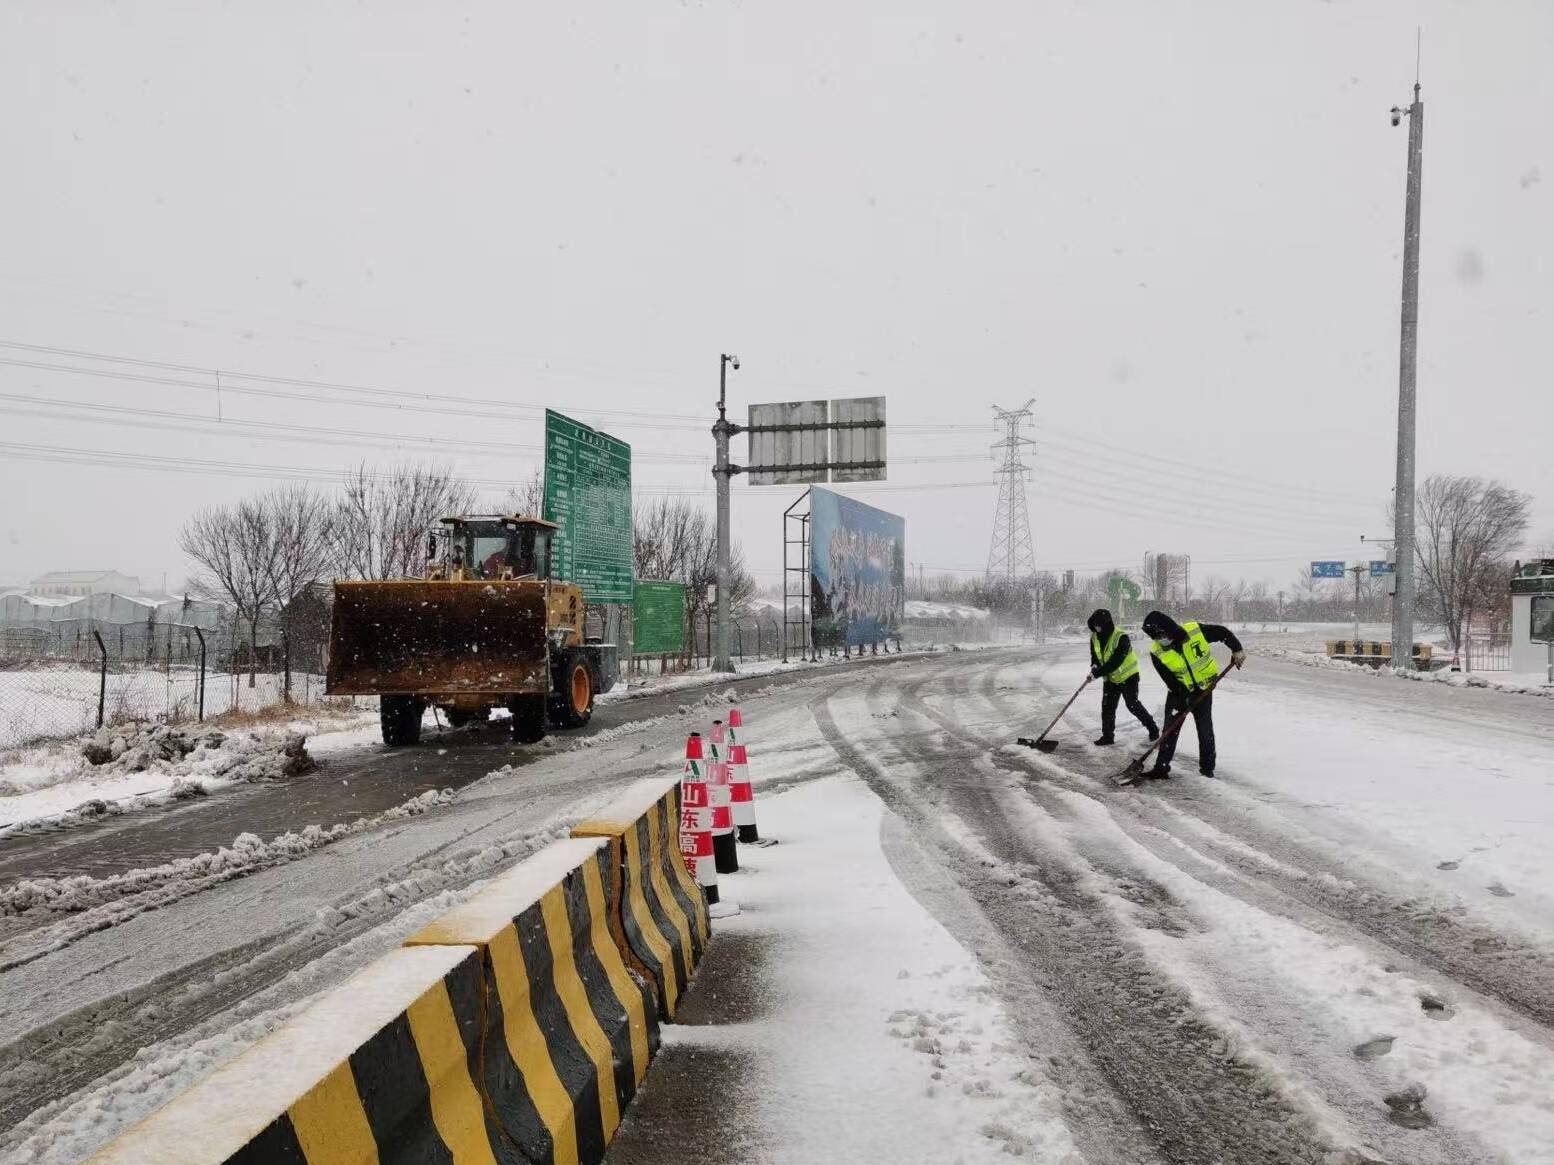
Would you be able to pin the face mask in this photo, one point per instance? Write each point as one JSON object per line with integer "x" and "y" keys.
{"x": 1164, "y": 642}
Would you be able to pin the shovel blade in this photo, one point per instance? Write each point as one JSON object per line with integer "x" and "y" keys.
{"x": 1046, "y": 746}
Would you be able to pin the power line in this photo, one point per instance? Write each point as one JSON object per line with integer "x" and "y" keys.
{"x": 222, "y": 380}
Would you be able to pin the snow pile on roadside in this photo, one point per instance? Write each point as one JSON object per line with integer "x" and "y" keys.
{"x": 1518, "y": 684}
{"x": 198, "y": 749}
{"x": 137, "y": 766}
{"x": 246, "y": 854}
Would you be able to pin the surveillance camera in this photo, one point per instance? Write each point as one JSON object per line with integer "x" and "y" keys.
{"x": 1397, "y": 115}
{"x": 734, "y": 360}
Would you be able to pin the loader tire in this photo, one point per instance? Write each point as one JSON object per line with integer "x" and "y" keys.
{"x": 528, "y": 718}
{"x": 573, "y": 704}
{"x": 401, "y": 719}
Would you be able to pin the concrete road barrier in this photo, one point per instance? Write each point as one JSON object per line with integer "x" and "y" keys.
{"x": 569, "y": 1032}
{"x": 661, "y": 915}
{"x": 379, "y": 1070}
{"x": 510, "y": 1030}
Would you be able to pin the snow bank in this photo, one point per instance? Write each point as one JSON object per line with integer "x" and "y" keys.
{"x": 136, "y": 766}
{"x": 1524, "y": 685}
{"x": 158, "y": 885}
{"x": 861, "y": 985}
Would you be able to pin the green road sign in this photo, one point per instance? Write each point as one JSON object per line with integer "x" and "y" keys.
{"x": 588, "y": 495}
{"x": 658, "y": 619}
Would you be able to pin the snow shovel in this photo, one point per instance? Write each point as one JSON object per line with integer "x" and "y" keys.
{"x": 1135, "y": 770}
{"x": 1041, "y": 743}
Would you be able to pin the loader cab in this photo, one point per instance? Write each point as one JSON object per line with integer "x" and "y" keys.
{"x": 495, "y": 547}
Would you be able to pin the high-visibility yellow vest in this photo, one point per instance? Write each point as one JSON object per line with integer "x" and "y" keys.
{"x": 1127, "y": 669}
{"x": 1194, "y": 666}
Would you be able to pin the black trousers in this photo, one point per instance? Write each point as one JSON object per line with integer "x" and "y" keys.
{"x": 1203, "y": 718}
{"x": 1128, "y": 692}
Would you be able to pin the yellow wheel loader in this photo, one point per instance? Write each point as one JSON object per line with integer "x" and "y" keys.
{"x": 487, "y": 628}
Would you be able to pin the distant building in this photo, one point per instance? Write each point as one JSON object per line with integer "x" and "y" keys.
{"x": 75, "y": 583}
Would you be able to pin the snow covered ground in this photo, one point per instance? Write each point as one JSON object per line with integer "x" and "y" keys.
{"x": 1340, "y": 952}
{"x": 41, "y": 783}
{"x": 53, "y": 702}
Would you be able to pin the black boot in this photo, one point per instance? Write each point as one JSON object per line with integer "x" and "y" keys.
{"x": 1104, "y": 740}
{"x": 1206, "y": 772}
{"x": 1159, "y": 773}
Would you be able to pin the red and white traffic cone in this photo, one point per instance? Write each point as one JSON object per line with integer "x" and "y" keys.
{"x": 696, "y": 820}
{"x": 739, "y": 781}
{"x": 725, "y": 853}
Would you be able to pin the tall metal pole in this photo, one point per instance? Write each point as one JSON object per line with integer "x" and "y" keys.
{"x": 1403, "y": 606}
{"x": 722, "y": 471}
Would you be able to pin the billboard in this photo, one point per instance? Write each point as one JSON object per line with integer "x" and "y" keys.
{"x": 658, "y": 618}
{"x": 857, "y": 570}
{"x": 588, "y": 495}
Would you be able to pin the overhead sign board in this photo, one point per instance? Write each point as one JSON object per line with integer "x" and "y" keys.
{"x": 1327, "y": 570}
{"x": 858, "y": 439}
{"x": 658, "y": 618}
{"x": 789, "y": 443}
{"x": 588, "y": 496}
{"x": 814, "y": 441}
{"x": 1381, "y": 569}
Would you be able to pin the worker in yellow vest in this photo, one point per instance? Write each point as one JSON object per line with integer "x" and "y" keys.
{"x": 1182, "y": 658}
{"x": 1112, "y": 660}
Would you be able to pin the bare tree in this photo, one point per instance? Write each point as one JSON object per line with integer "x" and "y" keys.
{"x": 302, "y": 524}
{"x": 527, "y": 497}
{"x": 384, "y": 515}
{"x": 675, "y": 539}
{"x": 1467, "y": 530}
{"x": 234, "y": 549}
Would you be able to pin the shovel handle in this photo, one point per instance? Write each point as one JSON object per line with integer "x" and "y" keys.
{"x": 1065, "y": 708}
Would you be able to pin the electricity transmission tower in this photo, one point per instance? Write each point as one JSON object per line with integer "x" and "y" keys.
{"x": 1011, "y": 555}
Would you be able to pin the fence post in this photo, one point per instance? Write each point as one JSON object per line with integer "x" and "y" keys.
{"x": 102, "y": 676}
{"x": 200, "y": 688}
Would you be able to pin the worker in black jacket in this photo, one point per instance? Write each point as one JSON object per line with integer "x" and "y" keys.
{"x": 1182, "y": 658}
{"x": 1112, "y": 659}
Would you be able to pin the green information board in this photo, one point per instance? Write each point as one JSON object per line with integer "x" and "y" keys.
{"x": 588, "y": 495}
{"x": 658, "y": 619}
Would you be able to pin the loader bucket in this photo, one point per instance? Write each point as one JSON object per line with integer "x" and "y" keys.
{"x": 449, "y": 638}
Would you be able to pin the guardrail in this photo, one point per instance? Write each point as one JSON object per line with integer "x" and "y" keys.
{"x": 516, "y": 1027}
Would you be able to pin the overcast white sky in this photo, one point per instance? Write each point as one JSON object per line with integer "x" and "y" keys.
{"x": 1177, "y": 226}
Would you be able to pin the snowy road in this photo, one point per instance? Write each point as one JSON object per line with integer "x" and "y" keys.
{"x": 1340, "y": 952}
{"x": 1343, "y": 951}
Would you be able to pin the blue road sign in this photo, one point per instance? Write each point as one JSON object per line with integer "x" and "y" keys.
{"x": 1382, "y": 569}
{"x": 1327, "y": 570}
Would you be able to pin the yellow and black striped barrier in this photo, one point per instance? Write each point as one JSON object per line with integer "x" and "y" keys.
{"x": 509, "y": 1030}
{"x": 568, "y": 1032}
{"x": 661, "y": 915}
{"x": 377, "y": 1070}
{"x": 1368, "y": 650}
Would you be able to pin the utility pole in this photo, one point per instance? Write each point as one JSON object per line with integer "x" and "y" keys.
{"x": 1403, "y": 521}
{"x": 1356, "y": 570}
{"x": 1011, "y": 553}
{"x": 721, "y": 470}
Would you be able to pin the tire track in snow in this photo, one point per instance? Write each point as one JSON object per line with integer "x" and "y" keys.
{"x": 1192, "y": 1098}
{"x": 1077, "y": 805}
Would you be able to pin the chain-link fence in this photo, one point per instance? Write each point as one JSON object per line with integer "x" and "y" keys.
{"x": 65, "y": 678}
